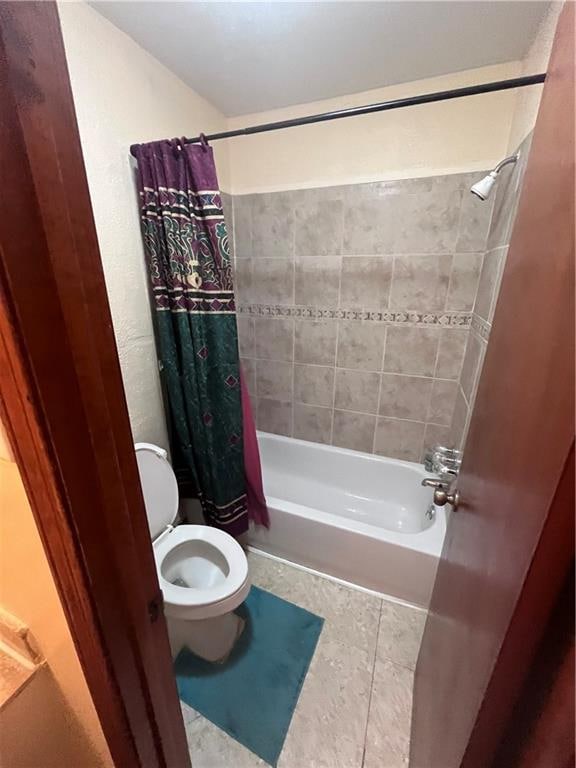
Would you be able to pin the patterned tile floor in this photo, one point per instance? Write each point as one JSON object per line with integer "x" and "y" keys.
{"x": 354, "y": 708}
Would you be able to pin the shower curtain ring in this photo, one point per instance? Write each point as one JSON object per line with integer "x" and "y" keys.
{"x": 177, "y": 146}
{"x": 204, "y": 142}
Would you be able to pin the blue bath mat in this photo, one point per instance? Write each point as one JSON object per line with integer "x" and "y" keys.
{"x": 252, "y": 696}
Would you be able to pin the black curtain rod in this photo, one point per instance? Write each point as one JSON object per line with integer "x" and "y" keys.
{"x": 383, "y": 106}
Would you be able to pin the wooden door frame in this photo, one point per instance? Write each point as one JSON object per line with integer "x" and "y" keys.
{"x": 63, "y": 405}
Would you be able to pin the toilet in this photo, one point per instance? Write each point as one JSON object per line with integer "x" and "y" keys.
{"x": 203, "y": 572}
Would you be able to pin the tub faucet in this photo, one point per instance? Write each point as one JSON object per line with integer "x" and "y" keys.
{"x": 443, "y": 461}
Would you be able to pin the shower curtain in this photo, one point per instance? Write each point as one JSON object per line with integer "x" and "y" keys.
{"x": 211, "y": 430}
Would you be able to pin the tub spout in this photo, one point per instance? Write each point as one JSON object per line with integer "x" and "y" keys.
{"x": 433, "y": 482}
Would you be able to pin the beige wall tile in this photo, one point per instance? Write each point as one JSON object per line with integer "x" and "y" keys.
{"x": 404, "y": 397}
{"x": 394, "y": 218}
{"x": 451, "y": 353}
{"x": 272, "y": 281}
{"x": 489, "y": 283}
{"x": 459, "y": 425}
{"x": 442, "y": 402}
{"x": 357, "y": 391}
{"x": 273, "y": 225}
{"x": 366, "y": 281}
{"x": 463, "y": 281}
{"x": 245, "y": 335}
{"x": 318, "y": 224}
{"x": 415, "y": 244}
{"x": 274, "y": 379}
{"x": 243, "y": 281}
{"x": 470, "y": 366}
{"x": 505, "y": 204}
{"x": 317, "y": 280}
{"x": 475, "y": 215}
{"x": 315, "y": 341}
{"x": 436, "y": 435}
{"x": 360, "y": 345}
{"x": 274, "y": 416}
{"x": 274, "y": 338}
{"x": 242, "y": 205}
{"x": 411, "y": 350}
{"x": 420, "y": 282}
{"x": 354, "y": 431}
{"x": 314, "y": 384}
{"x": 312, "y": 422}
{"x": 399, "y": 439}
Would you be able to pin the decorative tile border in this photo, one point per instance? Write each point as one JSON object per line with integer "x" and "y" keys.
{"x": 446, "y": 319}
{"x": 481, "y": 327}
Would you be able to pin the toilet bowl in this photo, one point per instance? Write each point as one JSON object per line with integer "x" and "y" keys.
{"x": 203, "y": 572}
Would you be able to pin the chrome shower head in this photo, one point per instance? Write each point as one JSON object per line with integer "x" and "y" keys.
{"x": 483, "y": 188}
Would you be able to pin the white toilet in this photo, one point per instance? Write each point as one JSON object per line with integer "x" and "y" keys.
{"x": 203, "y": 572}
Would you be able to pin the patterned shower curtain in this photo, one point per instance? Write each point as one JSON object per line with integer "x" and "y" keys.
{"x": 186, "y": 244}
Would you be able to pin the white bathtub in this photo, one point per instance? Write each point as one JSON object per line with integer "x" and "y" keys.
{"x": 351, "y": 515}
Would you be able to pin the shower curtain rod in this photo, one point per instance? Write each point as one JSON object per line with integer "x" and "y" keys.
{"x": 383, "y": 106}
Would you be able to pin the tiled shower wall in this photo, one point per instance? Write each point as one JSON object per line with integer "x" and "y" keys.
{"x": 504, "y": 213}
{"x": 355, "y": 304}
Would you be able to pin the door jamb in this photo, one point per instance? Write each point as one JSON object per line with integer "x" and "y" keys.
{"x": 63, "y": 405}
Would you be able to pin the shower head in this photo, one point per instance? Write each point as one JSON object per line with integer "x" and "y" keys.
{"x": 483, "y": 188}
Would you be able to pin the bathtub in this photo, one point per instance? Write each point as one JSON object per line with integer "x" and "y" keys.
{"x": 350, "y": 515}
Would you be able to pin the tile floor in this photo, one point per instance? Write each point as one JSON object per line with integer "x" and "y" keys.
{"x": 354, "y": 707}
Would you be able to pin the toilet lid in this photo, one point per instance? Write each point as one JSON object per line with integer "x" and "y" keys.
{"x": 159, "y": 487}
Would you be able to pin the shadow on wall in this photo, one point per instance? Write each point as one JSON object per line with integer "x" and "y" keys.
{"x": 52, "y": 721}
{"x": 38, "y": 728}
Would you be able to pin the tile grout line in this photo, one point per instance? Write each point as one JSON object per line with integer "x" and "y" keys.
{"x": 350, "y": 370}
{"x": 379, "y": 394}
{"x": 372, "y": 684}
{"x": 449, "y": 426}
{"x": 335, "y": 366}
{"x": 292, "y": 399}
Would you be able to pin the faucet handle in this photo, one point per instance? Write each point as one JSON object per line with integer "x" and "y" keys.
{"x": 443, "y": 460}
{"x": 447, "y": 453}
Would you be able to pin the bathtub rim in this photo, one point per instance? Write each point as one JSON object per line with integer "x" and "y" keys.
{"x": 374, "y": 457}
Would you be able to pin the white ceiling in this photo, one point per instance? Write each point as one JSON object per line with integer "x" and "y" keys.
{"x": 251, "y": 57}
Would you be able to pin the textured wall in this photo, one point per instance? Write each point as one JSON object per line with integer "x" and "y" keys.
{"x": 355, "y": 303}
{"x": 122, "y": 95}
{"x": 444, "y": 138}
{"x": 527, "y": 100}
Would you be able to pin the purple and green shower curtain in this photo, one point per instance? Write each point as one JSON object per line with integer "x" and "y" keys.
{"x": 186, "y": 244}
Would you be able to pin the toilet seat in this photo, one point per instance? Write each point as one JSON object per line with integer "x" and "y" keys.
{"x": 210, "y": 599}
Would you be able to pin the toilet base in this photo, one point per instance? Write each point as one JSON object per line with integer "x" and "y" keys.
{"x": 211, "y": 639}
